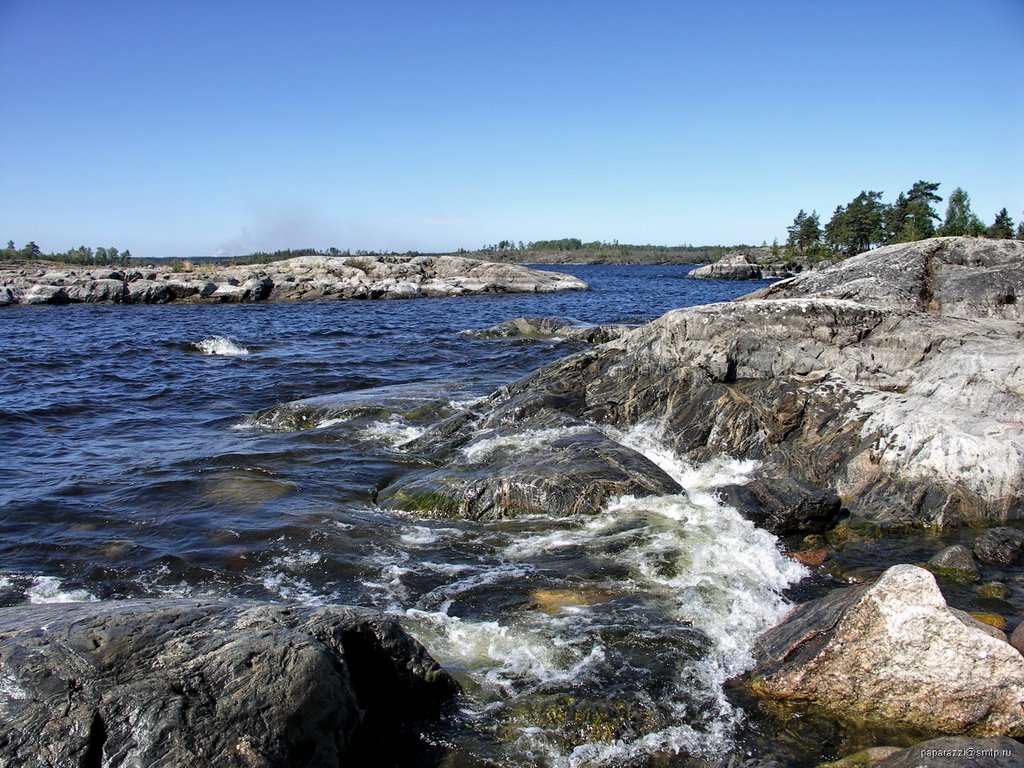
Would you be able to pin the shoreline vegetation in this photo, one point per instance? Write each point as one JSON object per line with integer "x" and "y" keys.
{"x": 863, "y": 224}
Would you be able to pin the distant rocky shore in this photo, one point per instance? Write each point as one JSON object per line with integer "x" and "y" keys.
{"x": 305, "y": 278}
{"x": 742, "y": 266}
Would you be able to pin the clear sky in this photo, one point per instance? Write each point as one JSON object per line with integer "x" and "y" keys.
{"x": 198, "y": 128}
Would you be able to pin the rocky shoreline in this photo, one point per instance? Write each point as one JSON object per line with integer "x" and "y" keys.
{"x": 879, "y": 396}
{"x": 882, "y": 395}
{"x": 305, "y": 278}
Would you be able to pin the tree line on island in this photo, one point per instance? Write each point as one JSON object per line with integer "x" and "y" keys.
{"x": 866, "y": 222}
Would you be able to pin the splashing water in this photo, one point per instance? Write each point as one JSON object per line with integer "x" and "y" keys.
{"x": 221, "y": 345}
{"x": 602, "y": 640}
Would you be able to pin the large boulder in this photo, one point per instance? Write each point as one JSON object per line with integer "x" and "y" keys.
{"x": 894, "y": 653}
{"x": 201, "y": 683}
{"x": 911, "y": 409}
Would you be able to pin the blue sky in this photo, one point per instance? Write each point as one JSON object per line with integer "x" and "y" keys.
{"x": 198, "y": 128}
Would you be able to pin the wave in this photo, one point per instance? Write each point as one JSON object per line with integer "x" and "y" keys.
{"x": 220, "y": 345}
{"x": 44, "y": 589}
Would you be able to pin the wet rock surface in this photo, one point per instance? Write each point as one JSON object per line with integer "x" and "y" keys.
{"x": 955, "y": 752}
{"x": 893, "y": 652}
{"x": 567, "y": 474}
{"x": 305, "y": 278}
{"x": 908, "y": 408}
{"x": 784, "y": 506}
{"x": 551, "y": 327}
{"x": 1000, "y": 546}
{"x": 200, "y": 683}
{"x": 955, "y": 562}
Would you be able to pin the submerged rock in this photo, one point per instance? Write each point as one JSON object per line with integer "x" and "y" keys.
{"x": 955, "y": 562}
{"x": 956, "y": 752}
{"x": 300, "y": 279}
{"x": 1000, "y": 546}
{"x": 551, "y": 327}
{"x": 200, "y": 683}
{"x": 894, "y": 653}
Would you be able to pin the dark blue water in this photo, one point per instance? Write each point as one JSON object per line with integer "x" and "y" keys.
{"x": 131, "y": 467}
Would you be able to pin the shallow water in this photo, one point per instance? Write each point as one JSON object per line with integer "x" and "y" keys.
{"x": 140, "y": 460}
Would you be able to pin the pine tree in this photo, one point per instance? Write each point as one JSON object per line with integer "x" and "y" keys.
{"x": 1002, "y": 227}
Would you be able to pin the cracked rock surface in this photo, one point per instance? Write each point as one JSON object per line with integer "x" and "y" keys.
{"x": 894, "y": 379}
{"x": 206, "y": 682}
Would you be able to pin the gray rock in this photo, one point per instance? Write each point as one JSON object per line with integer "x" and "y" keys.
{"x": 955, "y": 562}
{"x": 738, "y": 266}
{"x": 945, "y": 276}
{"x": 893, "y": 653}
{"x": 513, "y": 473}
{"x": 42, "y": 293}
{"x": 1000, "y": 546}
{"x": 909, "y": 417}
{"x": 957, "y": 752}
{"x": 200, "y": 683}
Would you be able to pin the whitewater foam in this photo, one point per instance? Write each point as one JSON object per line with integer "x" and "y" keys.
{"x": 220, "y": 345}
{"x": 48, "y": 589}
{"x": 395, "y": 432}
{"x": 518, "y": 443}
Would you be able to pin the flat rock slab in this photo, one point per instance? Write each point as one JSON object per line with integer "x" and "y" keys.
{"x": 201, "y": 683}
{"x": 894, "y": 653}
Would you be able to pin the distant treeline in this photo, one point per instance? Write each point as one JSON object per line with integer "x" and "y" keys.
{"x": 80, "y": 255}
{"x": 866, "y": 222}
{"x": 572, "y": 250}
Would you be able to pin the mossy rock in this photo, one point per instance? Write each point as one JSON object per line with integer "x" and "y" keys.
{"x": 572, "y": 720}
{"x": 853, "y": 530}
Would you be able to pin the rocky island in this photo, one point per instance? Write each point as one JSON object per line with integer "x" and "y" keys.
{"x": 742, "y": 266}
{"x": 304, "y": 278}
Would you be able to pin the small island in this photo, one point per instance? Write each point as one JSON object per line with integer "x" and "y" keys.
{"x": 303, "y": 278}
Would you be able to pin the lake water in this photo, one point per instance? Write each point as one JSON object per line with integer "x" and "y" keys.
{"x": 133, "y": 465}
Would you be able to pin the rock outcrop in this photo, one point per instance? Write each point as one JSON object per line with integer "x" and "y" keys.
{"x": 304, "y": 278}
{"x": 551, "y": 327}
{"x": 738, "y": 266}
{"x": 893, "y": 379}
{"x": 894, "y": 653}
{"x": 201, "y": 683}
